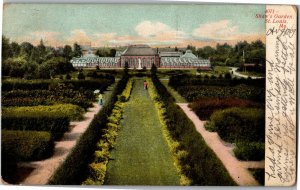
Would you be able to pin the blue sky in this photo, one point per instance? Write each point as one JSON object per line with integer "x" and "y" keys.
{"x": 121, "y": 24}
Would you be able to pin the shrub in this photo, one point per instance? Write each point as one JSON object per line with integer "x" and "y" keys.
{"x": 259, "y": 175}
{"x": 26, "y": 145}
{"x": 240, "y": 124}
{"x": 81, "y": 76}
{"x": 194, "y": 93}
{"x": 75, "y": 169}
{"x": 198, "y": 158}
{"x": 206, "y": 106}
{"x": 57, "y": 125}
{"x": 250, "y": 151}
{"x": 68, "y": 77}
{"x": 73, "y": 112}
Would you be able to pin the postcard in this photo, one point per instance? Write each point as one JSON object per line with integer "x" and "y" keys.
{"x": 149, "y": 94}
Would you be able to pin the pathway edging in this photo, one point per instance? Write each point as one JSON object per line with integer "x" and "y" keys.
{"x": 238, "y": 170}
{"x": 44, "y": 169}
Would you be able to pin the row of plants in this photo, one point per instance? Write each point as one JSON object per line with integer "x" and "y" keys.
{"x": 57, "y": 93}
{"x": 97, "y": 169}
{"x": 193, "y": 93}
{"x": 74, "y": 170}
{"x": 173, "y": 145}
{"x": 185, "y": 79}
{"x": 57, "y": 125}
{"x": 243, "y": 126}
{"x": 195, "y": 157}
{"x": 71, "y": 111}
{"x": 23, "y": 146}
{"x": 91, "y": 84}
{"x": 206, "y": 106}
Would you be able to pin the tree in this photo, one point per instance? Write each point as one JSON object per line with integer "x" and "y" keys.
{"x": 67, "y": 52}
{"x": 206, "y": 52}
{"x": 26, "y": 49}
{"x": 77, "y": 50}
{"x": 6, "y": 49}
{"x": 15, "y": 65}
{"x": 153, "y": 69}
{"x": 112, "y": 52}
{"x": 176, "y": 49}
{"x": 15, "y": 48}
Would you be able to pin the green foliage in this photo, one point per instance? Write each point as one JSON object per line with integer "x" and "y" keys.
{"x": 259, "y": 175}
{"x": 73, "y": 112}
{"x": 194, "y": 93}
{"x": 81, "y": 76}
{"x": 74, "y": 170}
{"x": 77, "y": 50}
{"x": 206, "y": 106}
{"x": 26, "y": 145}
{"x": 198, "y": 158}
{"x": 240, "y": 124}
{"x": 250, "y": 151}
{"x": 56, "y": 124}
{"x": 97, "y": 169}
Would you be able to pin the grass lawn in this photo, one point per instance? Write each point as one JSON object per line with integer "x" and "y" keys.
{"x": 141, "y": 155}
{"x": 174, "y": 93}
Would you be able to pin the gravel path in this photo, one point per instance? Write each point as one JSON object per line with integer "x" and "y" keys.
{"x": 234, "y": 71}
{"x": 238, "y": 170}
{"x": 43, "y": 170}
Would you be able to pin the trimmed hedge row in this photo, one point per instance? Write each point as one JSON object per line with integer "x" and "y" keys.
{"x": 185, "y": 79}
{"x": 193, "y": 93}
{"x": 101, "y": 84}
{"x": 74, "y": 169}
{"x": 198, "y": 162}
{"x": 205, "y": 107}
{"x": 250, "y": 151}
{"x": 71, "y": 111}
{"x": 26, "y": 145}
{"x": 239, "y": 124}
{"x": 56, "y": 125}
{"x": 22, "y": 146}
{"x": 29, "y": 101}
{"x": 97, "y": 169}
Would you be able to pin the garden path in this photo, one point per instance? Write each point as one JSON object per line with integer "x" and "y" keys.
{"x": 141, "y": 155}
{"x": 238, "y": 170}
{"x": 42, "y": 170}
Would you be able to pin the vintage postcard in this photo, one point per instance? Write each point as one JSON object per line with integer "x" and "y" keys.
{"x": 149, "y": 94}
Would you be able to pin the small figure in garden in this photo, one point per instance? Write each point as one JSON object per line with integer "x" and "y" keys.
{"x": 145, "y": 85}
{"x": 100, "y": 98}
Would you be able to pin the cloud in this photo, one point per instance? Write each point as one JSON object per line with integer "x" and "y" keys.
{"x": 79, "y": 36}
{"x": 48, "y": 37}
{"x": 220, "y": 30}
{"x": 157, "y": 30}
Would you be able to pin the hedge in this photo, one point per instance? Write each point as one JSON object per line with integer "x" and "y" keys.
{"x": 190, "y": 80}
{"x": 57, "y": 125}
{"x": 97, "y": 169}
{"x": 26, "y": 145}
{"x": 45, "y": 84}
{"x": 250, "y": 151}
{"x": 206, "y": 106}
{"x": 71, "y": 111}
{"x": 74, "y": 170}
{"x": 239, "y": 124}
{"x": 242, "y": 91}
{"x": 198, "y": 162}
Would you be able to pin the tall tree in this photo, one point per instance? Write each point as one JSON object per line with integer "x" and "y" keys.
{"x": 6, "y": 48}
{"x": 77, "y": 50}
{"x": 67, "y": 52}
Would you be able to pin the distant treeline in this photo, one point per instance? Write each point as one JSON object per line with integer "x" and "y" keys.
{"x": 30, "y": 62}
{"x": 225, "y": 54}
